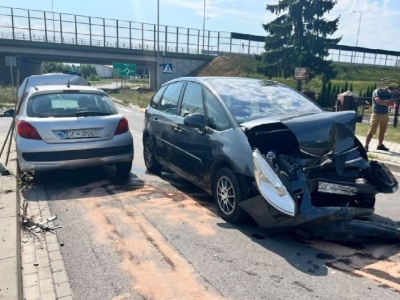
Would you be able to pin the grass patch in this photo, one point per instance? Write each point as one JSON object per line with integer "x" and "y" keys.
{"x": 101, "y": 81}
{"x": 392, "y": 134}
{"x": 128, "y": 96}
{"x": 6, "y": 96}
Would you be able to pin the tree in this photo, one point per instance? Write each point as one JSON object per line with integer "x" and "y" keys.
{"x": 55, "y": 67}
{"x": 329, "y": 88}
{"x": 298, "y": 37}
{"x": 87, "y": 70}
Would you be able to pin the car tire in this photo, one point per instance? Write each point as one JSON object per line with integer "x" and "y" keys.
{"x": 123, "y": 169}
{"x": 228, "y": 194}
{"x": 149, "y": 156}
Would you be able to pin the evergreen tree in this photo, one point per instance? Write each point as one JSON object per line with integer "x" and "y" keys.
{"x": 298, "y": 37}
{"x": 335, "y": 90}
{"x": 323, "y": 90}
{"x": 368, "y": 92}
{"x": 329, "y": 88}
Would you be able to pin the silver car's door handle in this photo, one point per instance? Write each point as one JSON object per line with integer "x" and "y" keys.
{"x": 178, "y": 129}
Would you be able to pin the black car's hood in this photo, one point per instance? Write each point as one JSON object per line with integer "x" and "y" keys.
{"x": 317, "y": 134}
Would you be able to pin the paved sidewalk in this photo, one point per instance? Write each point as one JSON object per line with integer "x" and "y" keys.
{"x": 10, "y": 254}
{"x": 31, "y": 265}
{"x": 391, "y": 158}
{"x": 43, "y": 272}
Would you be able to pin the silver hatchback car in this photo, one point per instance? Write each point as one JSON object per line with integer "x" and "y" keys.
{"x": 68, "y": 127}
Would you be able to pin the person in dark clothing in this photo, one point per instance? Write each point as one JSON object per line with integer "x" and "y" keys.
{"x": 381, "y": 100}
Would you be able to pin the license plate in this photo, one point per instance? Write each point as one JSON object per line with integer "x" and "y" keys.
{"x": 79, "y": 134}
{"x": 335, "y": 188}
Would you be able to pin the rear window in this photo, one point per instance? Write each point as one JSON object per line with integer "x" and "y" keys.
{"x": 70, "y": 105}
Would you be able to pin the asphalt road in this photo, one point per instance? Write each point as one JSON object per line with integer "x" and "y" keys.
{"x": 157, "y": 237}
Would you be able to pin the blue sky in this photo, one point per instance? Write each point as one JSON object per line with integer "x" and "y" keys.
{"x": 380, "y": 19}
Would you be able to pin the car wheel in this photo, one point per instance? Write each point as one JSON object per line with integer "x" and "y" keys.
{"x": 123, "y": 169}
{"x": 149, "y": 156}
{"x": 227, "y": 195}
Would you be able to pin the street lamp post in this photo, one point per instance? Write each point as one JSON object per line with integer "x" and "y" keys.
{"x": 158, "y": 44}
{"x": 54, "y": 27}
{"x": 359, "y": 24}
{"x": 358, "y": 31}
{"x": 204, "y": 22}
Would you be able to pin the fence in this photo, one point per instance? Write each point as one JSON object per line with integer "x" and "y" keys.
{"x": 55, "y": 27}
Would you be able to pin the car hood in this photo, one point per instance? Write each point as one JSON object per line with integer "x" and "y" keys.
{"x": 317, "y": 134}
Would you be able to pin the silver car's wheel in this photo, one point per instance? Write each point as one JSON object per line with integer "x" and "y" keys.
{"x": 227, "y": 195}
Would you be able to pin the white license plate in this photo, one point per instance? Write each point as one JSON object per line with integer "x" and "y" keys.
{"x": 79, "y": 134}
{"x": 334, "y": 188}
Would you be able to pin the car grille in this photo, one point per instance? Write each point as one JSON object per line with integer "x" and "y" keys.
{"x": 77, "y": 154}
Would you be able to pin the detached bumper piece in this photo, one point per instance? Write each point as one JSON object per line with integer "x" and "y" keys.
{"x": 383, "y": 179}
{"x": 373, "y": 228}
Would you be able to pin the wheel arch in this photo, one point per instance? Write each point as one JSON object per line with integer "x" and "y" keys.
{"x": 244, "y": 180}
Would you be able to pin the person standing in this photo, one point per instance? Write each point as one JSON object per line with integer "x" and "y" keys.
{"x": 381, "y": 100}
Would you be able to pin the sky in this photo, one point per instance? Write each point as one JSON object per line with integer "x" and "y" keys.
{"x": 367, "y": 23}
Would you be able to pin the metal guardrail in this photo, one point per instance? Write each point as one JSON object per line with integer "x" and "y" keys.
{"x": 54, "y": 27}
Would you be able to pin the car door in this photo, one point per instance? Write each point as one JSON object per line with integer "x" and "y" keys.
{"x": 191, "y": 143}
{"x": 196, "y": 149}
{"x": 163, "y": 122}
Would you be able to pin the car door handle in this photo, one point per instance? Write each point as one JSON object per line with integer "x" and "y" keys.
{"x": 178, "y": 129}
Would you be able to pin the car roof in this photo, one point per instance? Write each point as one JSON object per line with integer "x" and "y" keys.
{"x": 55, "y": 78}
{"x": 50, "y": 79}
{"x": 205, "y": 79}
{"x": 47, "y": 89}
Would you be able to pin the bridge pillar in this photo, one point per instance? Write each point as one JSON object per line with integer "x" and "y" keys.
{"x": 25, "y": 67}
{"x": 153, "y": 78}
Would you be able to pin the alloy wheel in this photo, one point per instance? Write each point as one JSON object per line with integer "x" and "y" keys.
{"x": 226, "y": 195}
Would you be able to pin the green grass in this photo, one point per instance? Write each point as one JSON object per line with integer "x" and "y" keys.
{"x": 128, "y": 96}
{"x": 6, "y": 96}
{"x": 392, "y": 134}
{"x": 101, "y": 81}
{"x": 126, "y": 82}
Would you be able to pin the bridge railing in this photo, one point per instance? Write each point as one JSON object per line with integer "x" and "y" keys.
{"x": 54, "y": 27}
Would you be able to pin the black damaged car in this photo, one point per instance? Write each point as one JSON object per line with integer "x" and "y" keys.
{"x": 265, "y": 150}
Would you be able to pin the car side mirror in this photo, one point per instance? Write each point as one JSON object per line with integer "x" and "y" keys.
{"x": 9, "y": 113}
{"x": 195, "y": 121}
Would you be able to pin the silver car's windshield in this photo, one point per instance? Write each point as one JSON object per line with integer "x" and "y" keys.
{"x": 252, "y": 99}
{"x": 70, "y": 105}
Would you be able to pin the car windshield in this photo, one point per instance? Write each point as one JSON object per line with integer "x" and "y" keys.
{"x": 74, "y": 104}
{"x": 250, "y": 99}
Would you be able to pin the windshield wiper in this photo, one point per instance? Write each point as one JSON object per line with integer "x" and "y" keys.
{"x": 92, "y": 113}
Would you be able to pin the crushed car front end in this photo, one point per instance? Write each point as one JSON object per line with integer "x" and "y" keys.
{"x": 310, "y": 170}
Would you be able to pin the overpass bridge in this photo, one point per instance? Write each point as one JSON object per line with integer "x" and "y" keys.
{"x": 34, "y": 36}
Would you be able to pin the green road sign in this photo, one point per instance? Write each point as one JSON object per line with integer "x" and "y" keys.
{"x": 122, "y": 69}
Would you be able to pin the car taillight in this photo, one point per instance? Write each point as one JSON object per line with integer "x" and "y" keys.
{"x": 122, "y": 126}
{"x": 26, "y": 130}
